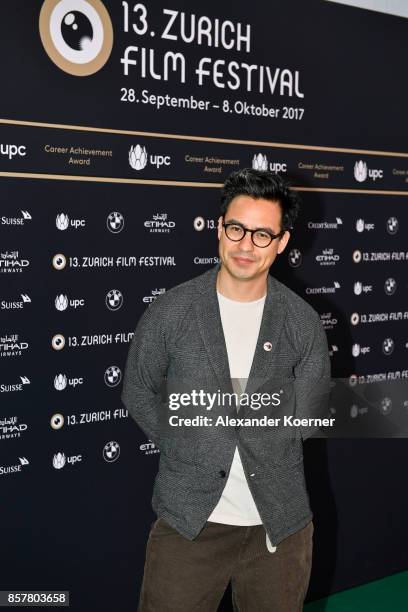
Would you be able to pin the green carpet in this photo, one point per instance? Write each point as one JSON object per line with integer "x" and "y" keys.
{"x": 386, "y": 595}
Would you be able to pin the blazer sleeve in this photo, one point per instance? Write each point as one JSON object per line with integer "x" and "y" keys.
{"x": 145, "y": 372}
{"x": 312, "y": 375}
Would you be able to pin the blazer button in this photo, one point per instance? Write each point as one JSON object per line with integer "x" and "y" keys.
{"x": 222, "y": 473}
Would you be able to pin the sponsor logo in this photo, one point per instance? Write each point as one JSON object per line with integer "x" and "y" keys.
{"x": 139, "y": 158}
{"x": 15, "y": 387}
{"x": 386, "y": 405}
{"x": 322, "y": 290}
{"x": 362, "y": 226}
{"x": 329, "y": 321}
{"x": 12, "y": 346}
{"x": 16, "y": 221}
{"x": 15, "y": 305}
{"x": 392, "y": 225}
{"x": 160, "y": 224}
{"x": 111, "y": 451}
{"x": 12, "y": 150}
{"x": 357, "y": 350}
{"x": 11, "y": 262}
{"x": 62, "y": 302}
{"x": 148, "y": 299}
{"x": 390, "y": 286}
{"x": 9, "y": 428}
{"x": 62, "y": 222}
{"x": 115, "y": 222}
{"x": 149, "y": 448}
{"x": 60, "y": 460}
{"x": 61, "y": 381}
{"x": 355, "y": 411}
{"x": 325, "y": 224}
{"x": 77, "y": 35}
{"x": 260, "y": 162}
{"x": 388, "y": 346}
{"x": 359, "y": 288}
{"x": 12, "y": 469}
{"x": 206, "y": 260}
{"x": 112, "y": 376}
{"x": 362, "y": 172}
{"x": 327, "y": 258}
{"x": 334, "y": 349}
{"x": 295, "y": 258}
{"x": 114, "y": 299}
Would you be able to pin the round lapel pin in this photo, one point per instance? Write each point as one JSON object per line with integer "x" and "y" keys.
{"x": 267, "y": 346}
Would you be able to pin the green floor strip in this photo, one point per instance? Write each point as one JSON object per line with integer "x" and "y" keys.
{"x": 386, "y": 595}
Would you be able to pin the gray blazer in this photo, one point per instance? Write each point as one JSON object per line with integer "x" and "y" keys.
{"x": 180, "y": 336}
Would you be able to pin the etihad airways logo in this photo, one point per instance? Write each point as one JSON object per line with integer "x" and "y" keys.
{"x": 76, "y": 34}
{"x": 160, "y": 224}
{"x": 10, "y": 261}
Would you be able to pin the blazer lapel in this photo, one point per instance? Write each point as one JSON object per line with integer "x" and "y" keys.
{"x": 273, "y": 318}
{"x": 211, "y": 331}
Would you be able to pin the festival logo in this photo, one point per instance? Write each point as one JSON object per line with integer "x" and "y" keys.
{"x": 76, "y": 34}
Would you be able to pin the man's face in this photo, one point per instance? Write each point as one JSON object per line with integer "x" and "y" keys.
{"x": 243, "y": 260}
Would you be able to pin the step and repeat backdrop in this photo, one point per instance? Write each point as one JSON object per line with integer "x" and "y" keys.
{"x": 119, "y": 122}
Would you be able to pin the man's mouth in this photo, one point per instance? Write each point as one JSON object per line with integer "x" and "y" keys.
{"x": 242, "y": 260}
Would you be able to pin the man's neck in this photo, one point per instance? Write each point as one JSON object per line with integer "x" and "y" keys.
{"x": 241, "y": 290}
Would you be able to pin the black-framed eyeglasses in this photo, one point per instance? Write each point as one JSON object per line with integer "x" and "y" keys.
{"x": 260, "y": 237}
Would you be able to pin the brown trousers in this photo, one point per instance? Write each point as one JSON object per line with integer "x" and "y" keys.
{"x": 182, "y": 575}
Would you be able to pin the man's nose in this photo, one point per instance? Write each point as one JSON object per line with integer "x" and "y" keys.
{"x": 246, "y": 243}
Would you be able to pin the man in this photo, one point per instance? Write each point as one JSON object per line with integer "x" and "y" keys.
{"x": 231, "y": 500}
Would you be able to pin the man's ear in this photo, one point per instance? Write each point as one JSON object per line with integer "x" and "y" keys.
{"x": 219, "y": 226}
{"x": 283, "y": 241}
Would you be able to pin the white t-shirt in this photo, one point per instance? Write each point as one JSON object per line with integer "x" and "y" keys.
{"x": 241, "y": 322}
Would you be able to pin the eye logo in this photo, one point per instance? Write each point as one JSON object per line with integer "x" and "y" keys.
{"x": 76, "y": 34}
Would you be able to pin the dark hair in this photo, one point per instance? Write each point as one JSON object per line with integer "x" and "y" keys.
{"x": 262, "y": 184}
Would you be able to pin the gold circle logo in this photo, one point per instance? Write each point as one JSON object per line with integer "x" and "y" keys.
{"x": 76, "y": 34}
